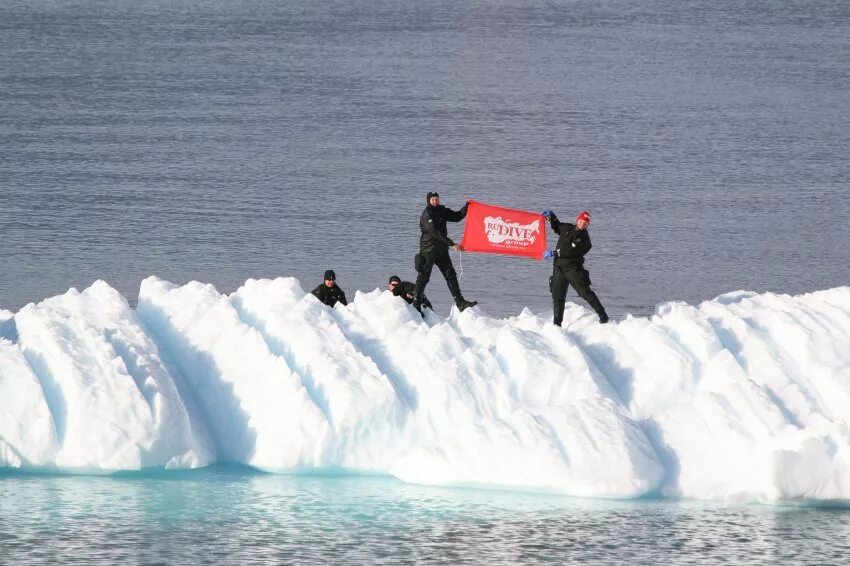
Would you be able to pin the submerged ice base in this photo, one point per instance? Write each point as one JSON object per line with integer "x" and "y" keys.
{"x": 744, "y": 397}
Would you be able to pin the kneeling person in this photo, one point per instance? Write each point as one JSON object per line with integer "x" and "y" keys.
{"x": 329, "y": 292}
{"x": 406, "y": 290}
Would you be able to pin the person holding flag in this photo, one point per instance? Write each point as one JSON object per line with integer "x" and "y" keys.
{"x": 573, "y": 244}
{"x": 434, "y": 247}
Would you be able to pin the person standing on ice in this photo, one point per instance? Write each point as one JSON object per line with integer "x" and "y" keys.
{"x": 329, "y": 292}
{"x": 434, "y": 250}
{"x": 573, "y": 244}
{"x": 406, "y": 290}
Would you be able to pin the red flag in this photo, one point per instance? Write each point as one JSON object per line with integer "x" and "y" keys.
{"x": 497, "y": 230}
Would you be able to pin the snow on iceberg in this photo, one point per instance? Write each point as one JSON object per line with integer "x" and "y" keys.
{"x": 743, "y": 397}
{"x": 27, "y": 432}
{"x": 112, "y": 402}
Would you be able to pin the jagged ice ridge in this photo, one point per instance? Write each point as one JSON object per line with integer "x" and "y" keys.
{"x": 745, "y": 397}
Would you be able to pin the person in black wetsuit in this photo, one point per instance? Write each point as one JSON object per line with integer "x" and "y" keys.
{"x": 329, "y": 292}
{"x": 406, "y": 290}
{"x": 434, "y": 247}
{"x": 573, "y": 244}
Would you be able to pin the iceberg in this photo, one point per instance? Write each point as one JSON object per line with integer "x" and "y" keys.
{"x": 745, "y": 397}
{"x": 98, "y": 393}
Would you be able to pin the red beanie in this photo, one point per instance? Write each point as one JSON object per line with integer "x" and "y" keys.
{"x": 583, "y": 216}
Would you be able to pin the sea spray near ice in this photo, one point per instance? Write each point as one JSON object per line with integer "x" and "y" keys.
{"x": 744, "y": 397}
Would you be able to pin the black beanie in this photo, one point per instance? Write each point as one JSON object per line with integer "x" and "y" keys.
{"x": 395, "y": 278}
{"x": 329, "y": 274}
{"x": 434, "y": 194}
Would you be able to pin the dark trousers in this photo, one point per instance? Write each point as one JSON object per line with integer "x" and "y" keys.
{"x": 579, "y": 278}
{"x": 425, "y": 262}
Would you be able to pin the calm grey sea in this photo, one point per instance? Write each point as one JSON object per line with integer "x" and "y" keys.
{"x": 219, "y": 141}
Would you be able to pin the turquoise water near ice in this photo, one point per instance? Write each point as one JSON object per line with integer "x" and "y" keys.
{"x": 226, "y": 515}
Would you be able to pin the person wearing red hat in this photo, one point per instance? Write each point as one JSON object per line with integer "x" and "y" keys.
{"x": 573, "y": 244}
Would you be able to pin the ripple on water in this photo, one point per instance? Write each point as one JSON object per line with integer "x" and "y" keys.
{"x": 235, "y": 516}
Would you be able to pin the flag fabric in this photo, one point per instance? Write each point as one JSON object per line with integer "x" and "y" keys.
{"x": 498, "y": 230}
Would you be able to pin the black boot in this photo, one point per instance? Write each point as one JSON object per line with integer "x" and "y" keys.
{"x": 603, "y": 317}
{"x": 463, "y": 304}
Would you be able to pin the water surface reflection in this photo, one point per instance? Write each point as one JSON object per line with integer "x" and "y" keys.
{"x": 232, "y": 516}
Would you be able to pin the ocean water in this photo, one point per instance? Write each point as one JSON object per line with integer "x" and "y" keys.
{"x": 235, "y": 516}
{"x": 225, "y": 140}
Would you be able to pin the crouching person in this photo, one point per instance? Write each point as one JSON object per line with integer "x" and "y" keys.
{"x": 406, "y": 290}
{"x": 329, "y": 292}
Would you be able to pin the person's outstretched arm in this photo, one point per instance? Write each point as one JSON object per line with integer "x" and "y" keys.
{"x": 555, "y": 223}
{"x": 457, "y": 215}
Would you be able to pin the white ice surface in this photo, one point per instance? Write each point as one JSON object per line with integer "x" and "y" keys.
{"x": 113, "y": 404}
{"x": 27, "y": 432}
{"x": 745, "y": 397}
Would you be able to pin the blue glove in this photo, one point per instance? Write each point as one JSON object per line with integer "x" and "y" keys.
{"x": 548, "y": 254}
{"x": 547, "y": 213}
